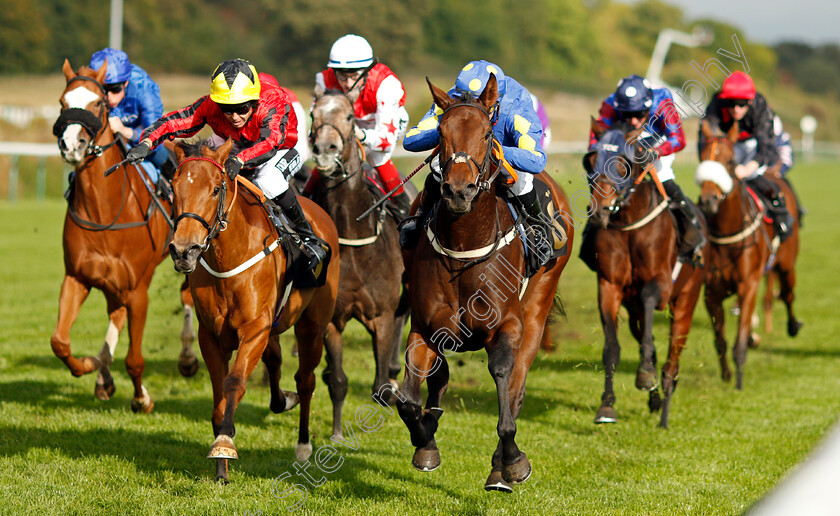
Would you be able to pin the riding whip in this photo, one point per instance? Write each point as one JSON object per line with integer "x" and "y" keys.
{"x": 393, "y": 190}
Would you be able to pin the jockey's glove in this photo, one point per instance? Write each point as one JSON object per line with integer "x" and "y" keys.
{"x": 232, "y": 167}
{"x": 138, "y": 153}
{"x": 360, "y": 134}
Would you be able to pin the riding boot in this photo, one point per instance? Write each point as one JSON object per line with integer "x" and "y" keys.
{"x": 400, "y": 205}
{"x": 538, "y": 233}
{"x": 169, "y": 168}
{"x": 776, "y": 206}
{"x": 691, "y": 239}
{"x": 411, "y": 227}
{"x": 288, "y": 203}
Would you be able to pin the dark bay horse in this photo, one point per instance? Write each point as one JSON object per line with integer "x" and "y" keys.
{"x": 371, "y": 260}
{"x": 468, "y": 291}
{"x": 115, "y": 235}
{"x": 636, "y": 264}
{"x": 742, "y": 243}
{"x": 241, "y": 286}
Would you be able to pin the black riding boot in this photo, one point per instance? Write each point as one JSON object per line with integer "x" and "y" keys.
{"x": 540, "y": 238}
{"x": 776, "y": 206}
{"x": 411, "y": 227}
{"x": 400, "y": 205}
{"x": 691, "y": 240}
{"x": 287, "y": 201}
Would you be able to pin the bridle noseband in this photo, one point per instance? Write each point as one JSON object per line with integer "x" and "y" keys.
{"x": 345, "y": 141}
{"x": 93, "y": 124}
{"x": 220, "y": 219}
{"x": 464, "y": 157}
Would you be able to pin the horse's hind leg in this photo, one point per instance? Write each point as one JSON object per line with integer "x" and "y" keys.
{"x": 747, "y": 293}
{"x": 420, "y": 363}
{"x": 281, "y": 400}
{"x": 396, "y": 349}
{"x": 310, "y": 339}
{"x": 714, "y": 305}
{"x": 334, "y": 376}
{"x": 73, "y": 294}
{"x": 138, "y": 303}
{"x": 383, "y": 342}
{"x": 104, "y": 381}
{"x": 787, "y": 282}
{"x": 646, "y": 374}
{"x": 609, "y": 298}
{"x": 187, "y": 361}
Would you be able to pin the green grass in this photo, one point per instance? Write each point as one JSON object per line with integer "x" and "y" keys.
{"x": 64, "y": 452}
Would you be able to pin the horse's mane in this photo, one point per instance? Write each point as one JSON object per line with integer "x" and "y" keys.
{"x": 194, "y": 148}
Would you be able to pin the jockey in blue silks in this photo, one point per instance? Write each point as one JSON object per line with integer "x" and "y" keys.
{"x": 516, "y": 126}
{"x": 640, "y": 106}
{"x": 134, "y": 101}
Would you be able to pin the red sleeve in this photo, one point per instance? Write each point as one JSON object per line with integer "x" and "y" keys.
{"x": 182, "y": 123}
{"x": 669, "y": 121}
{"x": 607, "y": 116}
{"x": 277, "y": 128}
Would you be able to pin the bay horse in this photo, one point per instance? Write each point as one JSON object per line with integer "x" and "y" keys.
{"x": 468, "y": 291}
{"x": 371, "y": 260}
{"x": 243, "y": 297}
{"x": 742, "y": 244}
{"x": 636, "y": 264}
{"x": 115, "y": 233}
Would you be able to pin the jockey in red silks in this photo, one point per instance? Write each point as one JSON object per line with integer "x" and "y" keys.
{"x": 640, "y": 106}
{"x": 260, "y": 120}
{"x": 378, "y": 99}
{"x": 756, "y": 149}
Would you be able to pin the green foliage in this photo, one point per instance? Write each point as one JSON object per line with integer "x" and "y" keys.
{"x": 24, "y": 37}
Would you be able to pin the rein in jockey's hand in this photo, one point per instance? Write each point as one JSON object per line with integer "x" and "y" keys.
{"x": 232, "y": 166}
{"x": 744, "y": 171}
{"x": 139, "y": 152}
{"x": 360, "y": 134}
{"x": 119, "y": 128}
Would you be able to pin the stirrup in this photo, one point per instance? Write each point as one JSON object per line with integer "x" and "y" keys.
{"x": 410, "y": 231}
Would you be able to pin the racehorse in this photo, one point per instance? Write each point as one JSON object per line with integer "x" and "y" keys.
{"x": 468, "y": 291}
{"x": 371, "y": 260}
{"x": 636, "y": 263}
{"x": 742, "y": 244}
{"x": 115, "y": 233}
{"x": 243, "y": 290}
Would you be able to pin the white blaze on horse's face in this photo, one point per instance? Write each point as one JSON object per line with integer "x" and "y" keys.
{"x": 74, "y": 140}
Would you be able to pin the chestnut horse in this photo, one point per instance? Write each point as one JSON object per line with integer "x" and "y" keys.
{"x": 371, "y": 260}
{"x": 115, "y": 235}
{"x": 468, "y": 291}
{"x": 636, "y": 263}
{"x": 240, "y": 288}
{"x": 741, "y": 246}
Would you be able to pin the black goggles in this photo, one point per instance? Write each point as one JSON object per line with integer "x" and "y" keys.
{"x": 239, "y": 109}
{"x": 641, "y": 115}
{"x": 736, "y": 102}
{"x": 114, "y": 88}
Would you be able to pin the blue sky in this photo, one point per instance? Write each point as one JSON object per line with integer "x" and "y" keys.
{"x": 771, "y": 21}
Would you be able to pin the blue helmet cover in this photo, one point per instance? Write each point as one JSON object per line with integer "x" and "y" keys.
{"x": 474, "y": 76}
{"x": 119, "y": 67}
{"x": 633, "y": 93}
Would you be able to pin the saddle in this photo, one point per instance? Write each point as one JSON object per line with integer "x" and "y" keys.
{"x": 543, "y": 240}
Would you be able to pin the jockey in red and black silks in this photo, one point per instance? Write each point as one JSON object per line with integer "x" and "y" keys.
{"x": 378, "y": 99}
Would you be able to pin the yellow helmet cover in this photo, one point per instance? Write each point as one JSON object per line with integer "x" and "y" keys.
{"x": 233, "y": 82}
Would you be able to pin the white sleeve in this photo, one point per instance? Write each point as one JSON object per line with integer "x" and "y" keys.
{"x": 389, "y": 116}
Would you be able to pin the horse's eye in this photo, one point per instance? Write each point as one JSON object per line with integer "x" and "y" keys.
{"x": 350, "y": 117}
{"x": 216, "y": 191}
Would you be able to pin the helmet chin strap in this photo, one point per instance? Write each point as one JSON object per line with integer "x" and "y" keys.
{"x": 364, "y": 73}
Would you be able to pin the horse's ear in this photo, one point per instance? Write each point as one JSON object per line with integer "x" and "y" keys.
{"x": 440, "y": 97}
{"x": 69, "y": 73}
{"x": 706, "y": 129}
{"x": 490, "y": 94}
{"x": 100, "y": 73}
{"x": 318, "y": 92}
{"x": 222, "y": 152}
{"x": 180, "y": 153}
{"x": 734, "y": 131}
{"x": 597, "y": 129}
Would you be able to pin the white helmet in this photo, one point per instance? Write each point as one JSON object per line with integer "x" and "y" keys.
{"x": 350, "y": 51}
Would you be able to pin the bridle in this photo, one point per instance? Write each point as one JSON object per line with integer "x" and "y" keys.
{"x": 95, "y": 124}
{"x": 464, "y": 157}
{"x": 344, "y": 175}
{"x": 220, "y": 218}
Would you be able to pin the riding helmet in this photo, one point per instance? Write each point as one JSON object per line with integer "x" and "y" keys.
{"x": 350, "y": 52}
{"x": 233, "y": 82}
{"x": 633, "y": 93}
{"x": 474, "y": 76}
{"x": 738, "y": 86}
{"x": 119, "y": 67}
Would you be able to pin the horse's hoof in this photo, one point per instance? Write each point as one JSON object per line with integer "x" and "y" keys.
{"x": 143, "y": 405}
{"x": 223, "y": 448}
{"x": 754, "y": 340}
{"x": 654, "y": 401}
{"x": 105, "y": 390}
{"x": 517, "y": 472}
{"x": 188, "y": 367}
{"x": 426, "y": 460}
{"x": 605, "y": 414}
{"x": 287, "y": 401}
{"x": 726, "y": 376}
{"x": 794, "y": 326}
{"x": 303, "y": 451}
{"x": 646, "y": 379}
{"x": 495, "y": 482}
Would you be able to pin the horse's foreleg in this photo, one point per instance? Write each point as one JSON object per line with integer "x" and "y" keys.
{"x": 383, "y": 342}
{"x": 310, "y": 340}
{"x": 396, "y": 349}
{"x": 609, "y": 299}
{"x": 138, "y": 302}
{"x": 217, "y": 367}
{"x": 104, "y": 381}
{"x": 787, "y": 282}
{"x": 187, "y": 361}
{"x": 73, "y": 294}
{"x": 272, "y": 357}
{"x": 646, "y": 373}
{"x": 747, "y": 293}
{"x": 713, "y": 299}
{"x": 768, "y": 301}
{"x": 334, "y": 376}
{"x": 420, "y": 362}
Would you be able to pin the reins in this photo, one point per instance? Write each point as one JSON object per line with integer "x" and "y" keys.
{"x": 220, "y": 219}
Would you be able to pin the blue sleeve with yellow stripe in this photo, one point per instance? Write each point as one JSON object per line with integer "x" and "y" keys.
{"x": 424, "y": 135}
{"x": 519, "y": 129}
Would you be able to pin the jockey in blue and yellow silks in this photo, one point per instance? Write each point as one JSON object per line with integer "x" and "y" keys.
{"x": 516, "y": 126}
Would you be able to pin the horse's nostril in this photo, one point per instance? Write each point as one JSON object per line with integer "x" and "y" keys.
{"x": 446, "y": 190}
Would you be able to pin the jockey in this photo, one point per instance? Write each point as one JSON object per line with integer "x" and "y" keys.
{"x": 517, "y": 128}
{"x": 539, "y": 109}
{"x": 259, "y": 118}
{"x": 134, "y": 102}
{"x": 756, "y": 147}
{"x": 635, "y": 102}
{"x": 379, "y": 102}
